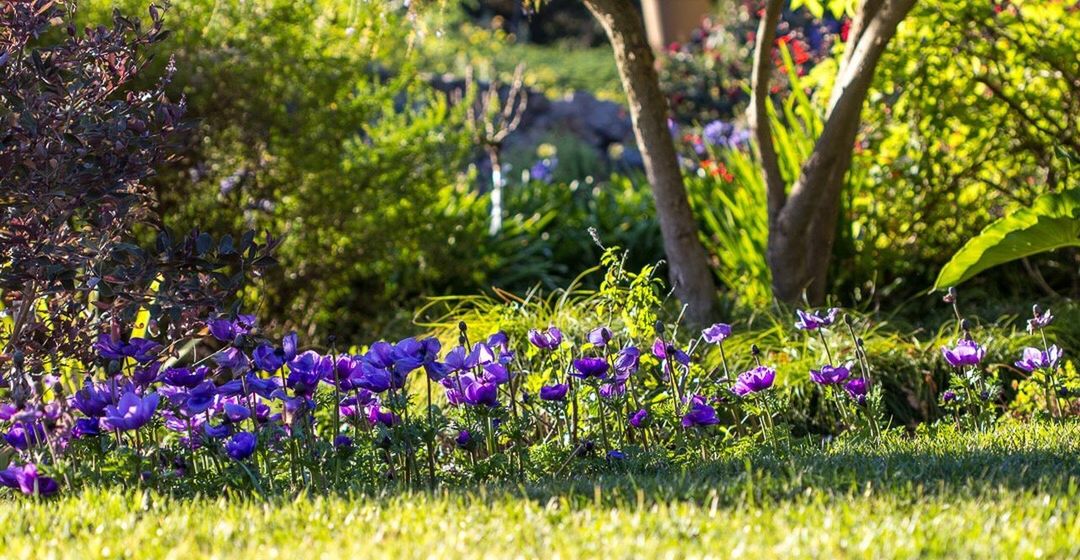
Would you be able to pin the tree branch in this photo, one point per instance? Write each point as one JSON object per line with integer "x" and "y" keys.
{"x": 758, "y": 114}
{"x": 842, "y": 118}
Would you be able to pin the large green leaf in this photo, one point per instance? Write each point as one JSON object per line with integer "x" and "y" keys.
{"x": 1052, "y": 222}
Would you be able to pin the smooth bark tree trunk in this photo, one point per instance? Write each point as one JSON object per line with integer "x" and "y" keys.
{"x": 803, "y": 221}
{"x": 687, "y": 260}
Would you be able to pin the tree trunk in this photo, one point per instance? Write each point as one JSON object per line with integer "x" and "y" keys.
{"x": 687, "y": 261}
{"x": 802, "y": 222}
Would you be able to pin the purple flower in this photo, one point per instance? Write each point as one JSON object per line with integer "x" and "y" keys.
{"x": 86, "y": 427}
{"x": 948, "y": 396}
{"x": 829, "y": 375}
{"x": 467, "y": 389}
{"x": 270, "y": 359}
{"x": 457, "y": 359}
{"x": 856, "y": 388}
{"x": 28, "y": 481}
{"x": 627, "y": 362}
{"x": 226, "y": 330}
{"x": 306, "y": 370}
{"x": 374, "y": 379}
{"x": 184, "y": 377}
{"x": 543, "y": 170}
{"x": 616, "y": 455}
{"x": 754, "y": 381}
{"x": 463, "y": 438}
{"x": 199, "y": 399}
{"x": 430, "y": 348}
{"x": 663, "y": 351}
{"x": 600, "y": 336}
{"x": 24, "y": 435}
{"x": 699, "y": 413}
{"x": 717, "y": 333}
{"x": 612, "y": 390}
{"x": 966, "y": 353}
{"x": 236, "y": 413}
{"x": 241, "y": 446}
{"x": 548, "y": 339}
{"x": 590, "y": 367}
{"x": 1040, "y": 320}
{"x": 139, "y": 349}
{"x": 1035, "y": 359}
{"x": 724, "y": 135}
{"x": 638, "y": 418}
{"x": 92, "y": 399}
{"x": 812, "y": 321}
{"x": 556, "y": 392}
{"x": 131, "y": 412}
{"x": 343, "y": 441}
{"x": 216, "y": 432}
{"x": 376, "y": 415}
{"x": 231, "y": 359}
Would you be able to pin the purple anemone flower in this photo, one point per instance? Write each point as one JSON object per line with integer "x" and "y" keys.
{"x": 548, "y": 339}
{"x": 236, "y": 413}
{"x": 343, "y": 441}
{"x": 1035, "y": 359}
{"x": 812, "y": 321}
{"x": 585, "y": 368}
{"x": 200, "y": 399}
{"x": 377, "y": 415}
{"x": 754, "y": 381}
{"x": 28, "y": 481}
{"x": 600, "y": 337}
{"x": 86, "y": 427}
{"x": 856, "y": 389}
{"x": 216, "y": 432}
{"x": 627, "y": 362}
{"x": 463, "y": 438}
{"x": 966, "y": 353}
{"x": 270, "y": 359}
{"x": 616, "y": 455}
{"x": 556, "y": 392}
{"x": 226, "y": 330}
{"x": 948, "y": 396}
{"x": 612, "y": 390}
{"x": 829, "y": 374}
{"x": 139, "y": 349}
{"x": 231, "y": 359}
{"x": 1039, "y": 320}
{"x": 131, "y": 412}
{"x": 669, "y": 353}
{"x": 717, "y": 333}
{"x": 638, "y": 418}
{"x": 184, "y": 377}
{"x": 241, "y": 446}
{"x": 699, "y": 414}
{"x": 24, "y": 435}
{"x": 481, "y": 393}
{"x": 92, "y": 399}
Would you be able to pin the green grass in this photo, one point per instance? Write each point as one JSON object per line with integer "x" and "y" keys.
{"x": 1013, "y": 493}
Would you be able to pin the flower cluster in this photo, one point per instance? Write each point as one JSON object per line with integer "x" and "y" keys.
{"x": 271, "y": 409}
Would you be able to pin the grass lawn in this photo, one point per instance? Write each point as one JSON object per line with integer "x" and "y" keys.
{"x": 1009, "y": 494}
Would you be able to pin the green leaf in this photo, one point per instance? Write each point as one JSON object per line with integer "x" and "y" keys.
{"x": 1052, "y": 222}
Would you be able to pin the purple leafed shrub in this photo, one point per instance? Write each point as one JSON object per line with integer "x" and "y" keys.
{"x": 81, "y": 249}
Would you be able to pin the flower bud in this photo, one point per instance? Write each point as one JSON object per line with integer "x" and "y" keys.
{"x": 754, "y": 350}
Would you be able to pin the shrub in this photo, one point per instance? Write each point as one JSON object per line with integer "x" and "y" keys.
{"x": 80, "y": 145}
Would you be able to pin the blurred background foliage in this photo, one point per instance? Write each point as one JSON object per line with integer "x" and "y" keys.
{"x": 317, "y": 120}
